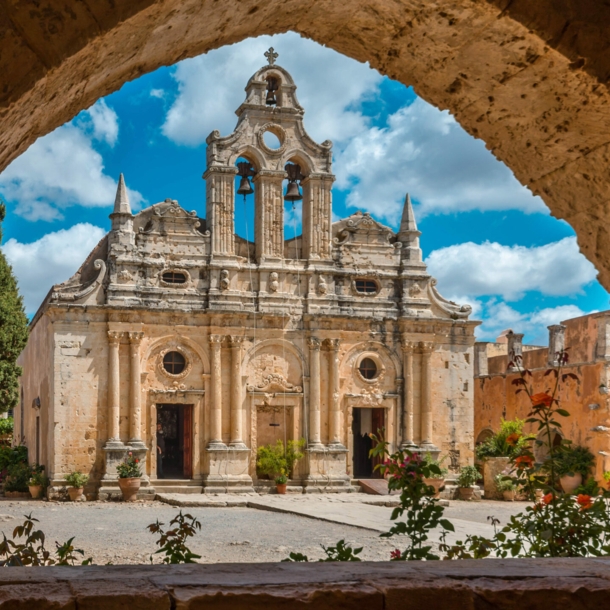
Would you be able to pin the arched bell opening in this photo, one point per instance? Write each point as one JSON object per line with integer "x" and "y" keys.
{"x": 292, "y": 189}
{"x": 245, "y": 195}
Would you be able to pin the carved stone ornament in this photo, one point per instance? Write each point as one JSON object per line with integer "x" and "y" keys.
{"x": 224, "y": 280}
{"x": 188, "y": 357}
{"x": 415, "y": 290}
{"x": 454, "y": 310}
{"x": 273, "y": 282}
{"x": 322, "y": 286}
{"x": 124, "y": 276}
{"x": 277, "y": 131}
{"x": 76, "y": 296}
{"x": 274, "y": 382}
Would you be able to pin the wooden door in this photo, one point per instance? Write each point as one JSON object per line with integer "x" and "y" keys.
{"x": 378, "y": 420}
{"x": 187, "y": 441}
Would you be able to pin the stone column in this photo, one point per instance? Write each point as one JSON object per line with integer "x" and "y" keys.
{"x": 220, "y": 204}
{"x": 426, "y": 397}
{"x": 236, "y": 406}
{"x": 514, "y": 347}
{"x": 114, "y": 388}
{"x": 216, "y": 394}
{"x": 314, "y": 392}
{"x": 480, "y": 359}
{"x": 407, "y": 400}
{"x": 317, "y": 204}
{"x": 333, "y": 393}
{"x": 135, "y": 389}
{"x": 557, "y": 338}
{"x": 269, "y": 214}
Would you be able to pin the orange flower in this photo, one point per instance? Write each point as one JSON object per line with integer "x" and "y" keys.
{"x": 542, "y": 399}
{"x": 524, "y": 461}
{"x": 513, "y": 439}
{"x": 548, "y": 498}
{"x": 584, "y": 501}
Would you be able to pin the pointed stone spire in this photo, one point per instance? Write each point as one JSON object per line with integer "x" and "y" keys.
{"x": 408, "y": 234}
{"x": 121, "y": 202}
{"x": 408, "y": 224}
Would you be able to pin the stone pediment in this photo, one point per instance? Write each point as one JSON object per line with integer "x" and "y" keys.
{"x": 274, "y": 383}
{"x": 362, "y": 227}
{"x": 167, "y": 217}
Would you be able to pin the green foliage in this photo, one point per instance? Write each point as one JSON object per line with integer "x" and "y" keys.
{"x": 607, "y": 476}
{"x": 569, "y": 460}
{"x": 274, "y": 460}
{"x": 13, "y": 455}
{"x": 173, "y": 541}
{"x": 428, "y": 459}
{"x": 38, "y": 477}
{"x": 281, "y": 479}
{"x": 13, "y": 331}
{"x": 339, "y": 552}
{"x": 589, "y": 488}
{"x": 18, "y": 477}
{"x": 77, "y": 479}
{"x": 504, "y": 483}
{"x": 468, "y": 476}
{"x": 129, "y": 468}
{"x": 32, "y": 552}
{"x": 6, "y": 426}
{"x": 498, "y": 445}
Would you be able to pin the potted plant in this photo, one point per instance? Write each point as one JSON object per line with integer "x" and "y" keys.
{"x": 129, "y": 477}
{"x": 277, "y": 462}
{"x": 38, "y": 481}
{"x": 572, "y": 465}
{"x": 76, "y": 481}
{"x": 467, "y": 479}
{"x": 506, "y": 487}
{"x": 436, "y": 480}
{"x": 281, "y": 482}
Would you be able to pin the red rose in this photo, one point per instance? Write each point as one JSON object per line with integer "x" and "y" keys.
{"x": 584, "y": 501}
{"x": 542, "y": 399}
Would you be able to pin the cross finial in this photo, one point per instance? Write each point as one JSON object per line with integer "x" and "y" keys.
{"x": 271, "y": 56}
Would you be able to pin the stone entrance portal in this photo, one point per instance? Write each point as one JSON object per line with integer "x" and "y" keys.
{"x": 364, "y": 422}
{"x": 177, "y": 422}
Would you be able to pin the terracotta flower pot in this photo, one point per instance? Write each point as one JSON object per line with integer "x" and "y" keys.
{"x": 281, "y": 487}
{"x": 129, "y": 488}
{"x": 509, "y": 495}
{"x": 75, "y": 493}
{"x": 437, "y": 484}
{"x": 569, "y": 484}
{"x": 466, "y": 493}
{"x": 35, "y": 491}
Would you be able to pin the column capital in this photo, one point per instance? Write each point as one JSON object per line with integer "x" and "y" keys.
{"x": 426, "y": 347}
{"x": 314, "y": 343}
{"x": 332, "y": 344}
{"x": 114, "y": 337}
{"x": 408, "y": 346}
{"x": 235, "y": 340}
{"x": 216, "y": 339}
{"x": 135, "y": 337}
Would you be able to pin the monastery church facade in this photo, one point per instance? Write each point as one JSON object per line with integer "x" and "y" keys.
{"x": 231, "y": 344}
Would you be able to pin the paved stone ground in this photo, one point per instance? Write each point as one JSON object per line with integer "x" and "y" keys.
{"x": 117, "y": 533}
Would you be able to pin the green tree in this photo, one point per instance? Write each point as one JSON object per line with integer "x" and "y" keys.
{"x": 13, "y": 331}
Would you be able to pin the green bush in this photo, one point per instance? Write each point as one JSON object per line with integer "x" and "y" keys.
{"x": 274, "y": 460}
{"x": 571, "y": 460}
{"x": 6, "y": 426}
{"x": 429, "y": 460}
{"x": 499, "y": 445}
{"x": 13, "y": 455}
{"x": 468, "y": 477}
{"x": 77, "y": 479}
{"x": 18, "y": 477}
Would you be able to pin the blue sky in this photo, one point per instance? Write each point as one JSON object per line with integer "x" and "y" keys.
{"x": 486, "y": 238}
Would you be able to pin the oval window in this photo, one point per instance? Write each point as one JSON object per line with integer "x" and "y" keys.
{"x": 271, "y": 140}
{"x": 368, "y": 368}
{"x": 174, "y": 277}
{"x": 366, "y": 286}
{"x": 174, "y": 363}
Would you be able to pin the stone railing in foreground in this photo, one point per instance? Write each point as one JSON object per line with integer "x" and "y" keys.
{"x": 575, "y": 584}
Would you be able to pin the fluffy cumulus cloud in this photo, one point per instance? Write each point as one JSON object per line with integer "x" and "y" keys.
{"x": 64, "y": 169}
{"x": 555, "y": 269}
{"x": 50, "y": 260}
{"x": 425, "y": 151}
{"x": 211, "y": 87}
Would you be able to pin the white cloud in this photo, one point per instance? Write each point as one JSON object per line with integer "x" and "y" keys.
{"x": 211, "y": 87}
{"x": 64, "y": 169}
{"x": 424, "y": 151}
{"x": 555, "y": 269}
{"x": 50, "y": 260}
{"x": 158, "y": 93}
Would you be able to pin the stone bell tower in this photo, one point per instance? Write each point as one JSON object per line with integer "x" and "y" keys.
{"x": 271, "y": 106}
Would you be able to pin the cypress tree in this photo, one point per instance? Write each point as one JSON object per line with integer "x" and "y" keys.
{"x": 13, "y": 331}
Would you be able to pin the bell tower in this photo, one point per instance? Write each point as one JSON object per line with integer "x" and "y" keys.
{"x": 270, "y": 107}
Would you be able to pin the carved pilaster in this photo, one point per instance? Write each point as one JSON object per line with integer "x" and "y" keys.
{"x": 135, "y": 388}
{"x": 314, "y": 392}
{"x": 317, "y": 216}
{"x": 332, "y": 345}
{"x": 426, "y": 396}
{"x": 220, "y": 208}
{"x": 114, "y": 387}
{"x": 237, "y": 417}
{"x": 408, "y": 347}
{"x": 269, "y": 216}
{"x": 216, "y": 394}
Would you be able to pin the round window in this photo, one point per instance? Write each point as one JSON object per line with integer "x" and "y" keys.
{"x": 368, "y": 368}
{"x": 174, "y": 363}
{"x": 271, "y": 140}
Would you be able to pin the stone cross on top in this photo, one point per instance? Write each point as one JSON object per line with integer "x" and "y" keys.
{"x": 271, "y": 56}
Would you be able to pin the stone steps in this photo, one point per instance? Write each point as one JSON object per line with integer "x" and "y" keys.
{"x": 177, "y": 486}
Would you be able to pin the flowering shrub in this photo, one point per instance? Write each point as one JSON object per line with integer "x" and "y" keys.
{"x": 173, "y": 541}
{"x": 339, "y": 552}
{"x": 129, "y": 468}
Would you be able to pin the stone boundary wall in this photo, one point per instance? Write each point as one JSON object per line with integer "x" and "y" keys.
{"x": 577, "y": 584}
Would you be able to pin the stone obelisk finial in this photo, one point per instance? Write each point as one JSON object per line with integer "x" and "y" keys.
{"x": 121, "y": 201}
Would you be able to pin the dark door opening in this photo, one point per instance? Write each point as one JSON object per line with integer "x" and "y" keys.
{"x": 365, "y": 422}
{"x": 177, "y": 423}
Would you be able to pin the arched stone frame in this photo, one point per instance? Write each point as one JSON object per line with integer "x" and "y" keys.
{"x": 389, "y": 400}
{"x": 252, "y": 154}
{"x": 176, "y": 393}
{"x": 541, "y": 451}
{"x": 293, "y": 398}
{"x": 483, "y": 435}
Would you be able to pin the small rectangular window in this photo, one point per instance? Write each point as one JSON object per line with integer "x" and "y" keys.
{"x": 367, "y": 286}
{"x": 174, "y": 277}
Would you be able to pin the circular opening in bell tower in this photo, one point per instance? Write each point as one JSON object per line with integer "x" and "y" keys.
{"x": 271, "y": 140}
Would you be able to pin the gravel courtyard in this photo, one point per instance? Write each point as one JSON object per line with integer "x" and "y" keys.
{"x": 117, "y": 533}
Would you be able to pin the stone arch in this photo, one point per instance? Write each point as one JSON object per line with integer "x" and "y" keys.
{"x": 382, "y": 349}
{"x": 528, "y": 78}
{"x": 300, "y": 157}
{"x": 483, "y": 435}
{"x": 282, "y": 344}
{"x": 252, "y": 154}
{"x": 192, "y": 345}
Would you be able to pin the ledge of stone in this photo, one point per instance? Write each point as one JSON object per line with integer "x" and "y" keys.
{"x": 496, "y": 583}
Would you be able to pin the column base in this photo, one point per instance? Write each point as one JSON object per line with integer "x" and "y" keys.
{"x": 327, "y": 468}
{"x": 216, "y": 446}
{"x": 237, "y": 446}
{"x": 410, "y": 445}
{"x": 432, "y": 449}
{"x": 227, "y": 469}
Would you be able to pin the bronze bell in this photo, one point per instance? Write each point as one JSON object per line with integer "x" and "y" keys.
{"x": 270, "y": 99}
{"x": 272, "y": 86}
{"x": 245, "y": 188}
{"x": 293, "y": 193}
